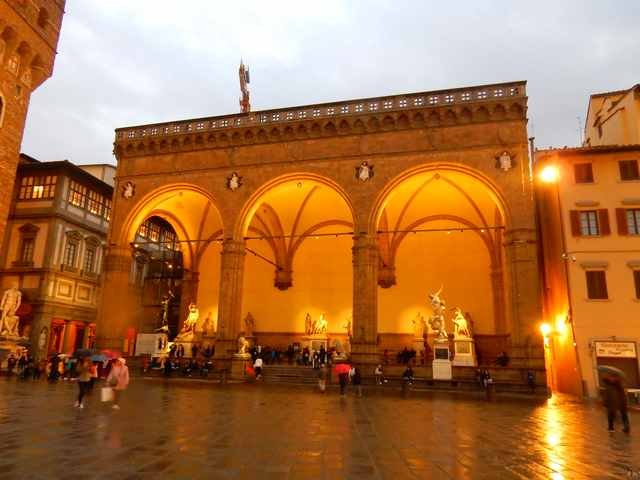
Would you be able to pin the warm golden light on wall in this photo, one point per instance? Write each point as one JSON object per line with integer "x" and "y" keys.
{"x": 561, "y": 324}
{"x": 549, "y": 174}
{"x": 545, "y": 329}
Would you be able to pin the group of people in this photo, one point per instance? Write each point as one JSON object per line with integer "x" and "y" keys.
{"x": 25, "y": 367}
{"x": 116, "y": 379}
{"x": 293, "y": 354}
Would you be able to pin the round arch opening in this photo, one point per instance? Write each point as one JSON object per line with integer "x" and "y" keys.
{"x": 440, "y": 228}
{"x": 298, "y": 236}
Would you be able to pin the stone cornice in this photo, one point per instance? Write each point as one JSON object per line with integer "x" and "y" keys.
{"x": 481, "y": 104}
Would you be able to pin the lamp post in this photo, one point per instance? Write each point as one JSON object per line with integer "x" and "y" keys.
{"x": 550, "y": 174}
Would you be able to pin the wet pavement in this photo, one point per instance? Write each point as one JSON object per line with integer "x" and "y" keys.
{"x": 194, "y": 431}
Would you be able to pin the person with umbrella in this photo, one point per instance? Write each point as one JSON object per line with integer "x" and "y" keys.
{"x": 342, "y": 369}
{"x": 614, "y": 396}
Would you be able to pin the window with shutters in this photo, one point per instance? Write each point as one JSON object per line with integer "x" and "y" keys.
{"x": 597, "y": 285}
{"x": 633, "y": 221}
{"x": 629, "y": 170}
{"x": 636, "y": 282}
{"x": 583, "y": 172}
{"x": 589, "y": 225}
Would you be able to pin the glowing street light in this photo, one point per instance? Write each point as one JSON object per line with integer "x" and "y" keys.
{"x": 549, "y": 174}
{"x": 545, "y": 329}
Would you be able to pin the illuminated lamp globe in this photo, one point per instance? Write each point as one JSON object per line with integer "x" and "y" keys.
{"x": 549, "y": 174}
{"x": 545, "y": 329}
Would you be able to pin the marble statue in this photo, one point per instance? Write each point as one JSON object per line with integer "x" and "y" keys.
{"x": 460, "y": 325}
{"x": 321, "y": 325}
{"x": 11, "y": 301}
{"x": 347, "y": 327}
{"x": 436, "y": 321}
{"x": 243, "y": 345}
{"x": 249, "y": 325}
{"x": 189, "y": 326}
{"x": 419, "y": 326}
{"x": 209, "y": 325}
{"x": 308, "y": 324}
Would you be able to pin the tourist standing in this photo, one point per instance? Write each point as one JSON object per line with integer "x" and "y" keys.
{"x": 379, "y": 374}
{"x": 407, "y": 379}
{"x": 614, "y": 398}
{"x": 118, "y": 379}
{"x": 11, "y": 364}
{"x": 322, "y": 378}
{"x": 84, "y": 380}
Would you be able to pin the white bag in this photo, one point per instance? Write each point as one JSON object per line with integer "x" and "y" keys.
{"x": 106, "y": 394}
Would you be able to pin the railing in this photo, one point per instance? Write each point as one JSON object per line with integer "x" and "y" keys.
{"x": 329, "y": 110}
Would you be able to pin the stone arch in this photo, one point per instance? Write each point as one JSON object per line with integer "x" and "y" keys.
{"x": 251, "y": 205}
{"x": 376, "y": 211}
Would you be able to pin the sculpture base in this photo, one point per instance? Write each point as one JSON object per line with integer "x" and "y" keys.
{"x": 465, "y": 353}
{"x": 441, "y": 361}
{"x": 239, "y": 364}
{"x": 314, "y": 342}
{"x": 442, "y": 370}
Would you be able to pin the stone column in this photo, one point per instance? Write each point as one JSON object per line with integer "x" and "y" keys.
{"x": 188, "y": 293}
{"x": 119, "y": 306}
{"x": 230, "y": 300}
{"x": 497, "y": 290}
{"x": 526, "y": 315}
{"x": 365, "y": 299}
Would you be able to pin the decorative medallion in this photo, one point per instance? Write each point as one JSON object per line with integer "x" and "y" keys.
{"x": 128, "y": 190}
{"x": 364, "y": 172}
{"x": 234, "y": 181}
{"x": 504, "y": 161}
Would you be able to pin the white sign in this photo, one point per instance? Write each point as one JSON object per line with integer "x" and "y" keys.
{"x": 151, "y": 343}
{"x": 616, "y": 349}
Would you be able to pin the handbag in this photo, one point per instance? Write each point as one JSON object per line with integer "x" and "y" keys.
{"x": 106, "y": 394}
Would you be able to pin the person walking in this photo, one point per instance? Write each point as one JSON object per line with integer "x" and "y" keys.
{"x": 257, "y": 368}
{"x": 614, "y": 398}
{"x": 379, "y": 374}
{"x": 356, "y": 381}
{"x": 407, "y": 380}
{"x": 322, "y": 378}
{"x": 84, "y": 380}
{"x": 118, "y": 379}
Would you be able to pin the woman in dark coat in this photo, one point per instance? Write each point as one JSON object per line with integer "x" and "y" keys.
{"x": 614, "y": 398}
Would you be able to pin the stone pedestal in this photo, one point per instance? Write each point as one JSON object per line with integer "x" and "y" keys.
{"x": 239, "y": 363}
{"x": 441, "y": 362}
{"x": 465, "y": 353}
{"x": 314, "y": 342}
{"x": 418, "y": 345}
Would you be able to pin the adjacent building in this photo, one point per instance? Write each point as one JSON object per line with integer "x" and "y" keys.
{"x": 589, "y": 207}
{"x": 53, "y": 249}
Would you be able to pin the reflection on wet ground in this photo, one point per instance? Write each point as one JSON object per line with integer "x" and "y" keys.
{"x": 261, "y": 432}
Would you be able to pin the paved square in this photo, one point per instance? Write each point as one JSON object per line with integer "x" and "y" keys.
{"x": 193, "y": 431}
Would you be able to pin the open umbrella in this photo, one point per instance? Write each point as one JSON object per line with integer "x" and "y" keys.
{"x": 83, "y": 352}
{"x": 98, "y": 358}
{"x": 342, "y": 368}
{"x": 109, "y": 354}
{"x": 609, "y": 370}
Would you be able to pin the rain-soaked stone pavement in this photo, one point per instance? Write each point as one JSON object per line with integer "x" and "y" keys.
{"x": 193, "y": 431}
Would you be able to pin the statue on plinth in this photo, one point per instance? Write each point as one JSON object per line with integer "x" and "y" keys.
{"x": 419, "y": 326}
{"x": 308, "y": 324}
{"x": 460, "y": 325}
{"x": 436, "y": 321}
{"x": 188, "y": 329}
{"x": 209, "y": 327}
{"x": 348, "y": 328}
{"x": 243, "y": 345}
{"x": 249, "y": 325}
{"x": 165, "y": 304}
{"x": 9, "y": 321}
{"x": 320, "y": 326}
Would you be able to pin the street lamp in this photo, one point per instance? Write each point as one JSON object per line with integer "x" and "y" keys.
{"x": 549, "y": 174}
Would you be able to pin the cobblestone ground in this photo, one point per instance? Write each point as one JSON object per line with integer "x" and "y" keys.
{"x": 194, "y": 431}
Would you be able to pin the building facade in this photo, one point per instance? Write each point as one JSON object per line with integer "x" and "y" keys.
{"x": 53, "y": 250}
{"x": 352, "y": 211}
{"x": 613, "y": 118}
{"x": 29, "y": 34}
{"x": 589, "y": 199}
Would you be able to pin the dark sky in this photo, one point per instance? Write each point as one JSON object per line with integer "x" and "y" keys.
{"x": 124, "y": 62}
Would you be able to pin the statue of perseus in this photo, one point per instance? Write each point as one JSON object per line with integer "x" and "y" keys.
{"x": 436, "y": 321}
{"x": 9, "y": 321}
